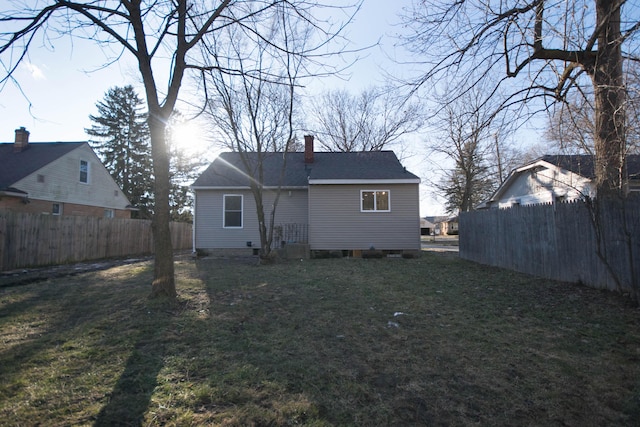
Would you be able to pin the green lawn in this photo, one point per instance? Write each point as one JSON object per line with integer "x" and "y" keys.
{"x": 428, "y": 341}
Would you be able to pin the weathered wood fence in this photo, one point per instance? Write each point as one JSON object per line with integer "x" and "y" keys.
{"x": 596, "y": 244}
{"x": 29, "y": 240}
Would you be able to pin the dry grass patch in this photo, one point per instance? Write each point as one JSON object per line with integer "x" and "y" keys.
{"x": 428, "y": 341}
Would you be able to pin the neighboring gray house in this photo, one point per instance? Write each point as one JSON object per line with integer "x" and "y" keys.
{"x": 555, "y": 178}
{"x": 332, "y": 201}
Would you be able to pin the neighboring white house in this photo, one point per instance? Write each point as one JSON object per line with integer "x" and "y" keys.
{"x": 554, "y": 178}
{"x": 330, "y": 201}
{"x": 57, "y": 178}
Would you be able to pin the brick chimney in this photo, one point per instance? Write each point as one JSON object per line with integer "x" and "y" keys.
{"x": 308, "y": 148}
{"x": 22, "y": 140}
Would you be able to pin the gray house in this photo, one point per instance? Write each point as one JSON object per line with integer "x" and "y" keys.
{"x": 330, "y": 201}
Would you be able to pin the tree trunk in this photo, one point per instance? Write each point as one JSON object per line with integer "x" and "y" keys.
{"x": 163, "y": 278}
{"x": 265, "y": 243}
{"x": 609, "y": 93}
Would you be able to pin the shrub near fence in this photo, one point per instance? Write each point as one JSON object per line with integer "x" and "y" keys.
{"x": 559, "y": 241}
{"x": 29, "y": 240}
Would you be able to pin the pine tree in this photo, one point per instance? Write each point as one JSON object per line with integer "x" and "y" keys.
{"x": 184, "y": 168}
{"x": 122, "y": 141}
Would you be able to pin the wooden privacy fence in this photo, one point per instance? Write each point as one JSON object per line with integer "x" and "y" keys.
{"x": 29, "y": 240}
{"x": 597, "y": 245}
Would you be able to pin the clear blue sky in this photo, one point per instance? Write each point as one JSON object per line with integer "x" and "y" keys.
{"x": 62, "y": 84}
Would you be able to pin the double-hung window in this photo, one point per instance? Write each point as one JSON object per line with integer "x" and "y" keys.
{"x": 84, "y": 171}
{"x": 232, "y": 211}
{"x": 374, "y": 201}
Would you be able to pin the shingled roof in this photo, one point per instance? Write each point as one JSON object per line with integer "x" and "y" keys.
{"x": 583, "y": 164}
{"x": 229, "y": 170}
{"x": 17, "y": 165}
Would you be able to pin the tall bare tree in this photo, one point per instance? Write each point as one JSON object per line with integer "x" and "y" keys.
{"x": 632, "y": 76}
{"x": 162, "y": 36}
{"x": 571, "y": 124}
{"x": 146, "y": 30}
{"x": 540, "y": 50}
{"x": 372, "y": 120}
{"x": 472, "y": 138}
{"x": 571, "y": 127}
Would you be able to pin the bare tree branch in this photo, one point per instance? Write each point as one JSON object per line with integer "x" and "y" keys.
{"x": 372, "y": 120}
{"x": 153, "y": 31}
{"x": 548, "y": 53}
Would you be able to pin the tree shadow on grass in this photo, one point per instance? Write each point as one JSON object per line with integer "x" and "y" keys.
{"x": 131, "y": 396}
{"x": 72, "y": 331}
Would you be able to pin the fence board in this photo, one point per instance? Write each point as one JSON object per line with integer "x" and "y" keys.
{"x": 560, "y": 241}
{"x": 29, "y": 240}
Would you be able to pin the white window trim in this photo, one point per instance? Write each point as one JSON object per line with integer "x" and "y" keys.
{"x": 88, "y": 172}
{"x": 375, "y": 210}
{"x": 59, "y": 209}
{"x": 224, "y": 211}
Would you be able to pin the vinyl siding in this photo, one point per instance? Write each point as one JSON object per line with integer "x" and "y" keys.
{"x": 336, "y": 223}
{"x": 62, "y": 182}
{"x": 543, "y": 186}
{"x": 210, "y": 234}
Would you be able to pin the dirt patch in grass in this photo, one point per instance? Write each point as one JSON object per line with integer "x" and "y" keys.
{"x": 429, "y": 341}
{"x": 33, "y": 275}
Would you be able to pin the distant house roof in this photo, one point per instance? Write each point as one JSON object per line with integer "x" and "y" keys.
{"x": 17, "y": 165}
{"x": 584, "y": 165}
{"x": 425, "y": 223}
{"x": 580, "y": 164}
{"x": 437, "y": 219}
{"x": 228, "y": 170}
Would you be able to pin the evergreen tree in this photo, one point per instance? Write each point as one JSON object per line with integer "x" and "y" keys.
{"x": 122, "y": 141}
{"x": 465, "y": 186}
{"x": 184, "y": 168}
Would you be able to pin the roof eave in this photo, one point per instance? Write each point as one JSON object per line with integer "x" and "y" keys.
{"x": 363, "y": 181}
{"x": 246, "y": 187}
{"x": 13, "y": 193}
